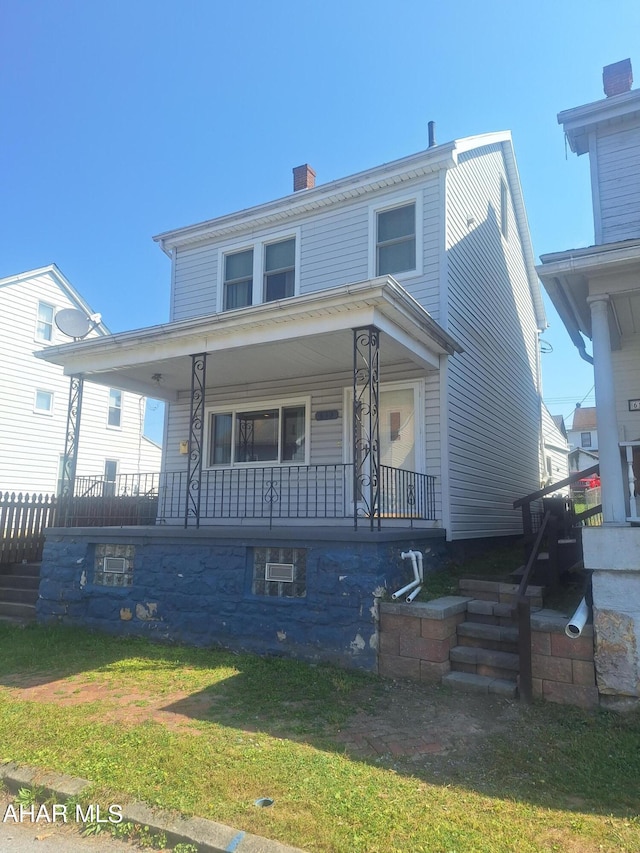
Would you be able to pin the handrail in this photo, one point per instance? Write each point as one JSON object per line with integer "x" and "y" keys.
{"x": 548, "y": 490}
{"x": 523, "y": 615}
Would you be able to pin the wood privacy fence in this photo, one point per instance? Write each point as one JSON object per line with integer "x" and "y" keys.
{"x": 23, "y": 519}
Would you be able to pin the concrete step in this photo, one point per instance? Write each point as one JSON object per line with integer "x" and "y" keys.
{"x": 25, "y": 569}
{"x": 26, "y": 596}
{"x": 470, "y": 683}
{"x": 502, "y": 638}
{"x": 18, "y": 610}
{"x": 479, "y": 661}
{"x": 19, "y": 581}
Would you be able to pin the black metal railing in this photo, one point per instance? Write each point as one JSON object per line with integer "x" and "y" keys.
{"x": 256, "y": 492}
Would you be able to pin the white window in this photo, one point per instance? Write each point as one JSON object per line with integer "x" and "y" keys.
{"x": 114, "y": 418}
{"x": 395, "y": 237}
{"x": 264, "y": 434}
{"x": 396, "y": 240}
{"x": 44, "y": 324}
{"x": 264, "y": 271}
{"x": 585, "y": 439}
{"x": 43, "y": 402}
{"x": 279, "y": 270}
{"x": 238, "y": 279}
{"x": 504, "y": 209}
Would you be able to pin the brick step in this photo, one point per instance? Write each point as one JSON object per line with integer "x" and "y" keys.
{"x": 470, "y": 683}
{"x": 501, "y": 638}
{"x": 18, "y": 610}
{"x": 26, "y": 596}
{"x": 504, "y": 593}
{"x": 489, "y": 612}
{"x": 479, "y": 661}
{"x": 19, "y": 581}
{"x": 25, "y": 569}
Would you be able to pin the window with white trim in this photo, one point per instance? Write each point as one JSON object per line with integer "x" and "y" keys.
{"x": 44, "y": 323}
{"x": 271, "y": 434}
{"x": 43, "y": 402}
{"x": 279, "y": 270}
{"x": 114, "y": 417}
{"x": 238, "y": 279}
{"x": 264, "y": 271}
{"x": 396, "y": 240}
{"x": 585, "y": 439}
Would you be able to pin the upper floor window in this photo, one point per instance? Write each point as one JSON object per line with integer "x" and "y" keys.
{"x": 44, "y": 324}
{"x": 279, "y": 270}
{"x": 585, "y": 439}
{"x": 44, "y": 402}
{"x": 396, "y": 240}
{"x": 114, "y": 418}
{"x": 271, "y": 434}
{"x": 238, "y": 279}
{"x": 263, "y": 272}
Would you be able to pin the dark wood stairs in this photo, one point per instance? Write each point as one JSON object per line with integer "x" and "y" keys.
{"x": 19, "y": 584}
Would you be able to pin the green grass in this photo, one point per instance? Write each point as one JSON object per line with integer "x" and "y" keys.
{"x": 558, "y": 779}
{"x": 494, "y": 564}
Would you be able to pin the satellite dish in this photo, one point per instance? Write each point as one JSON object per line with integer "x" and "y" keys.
{"x": 74, "y": 323}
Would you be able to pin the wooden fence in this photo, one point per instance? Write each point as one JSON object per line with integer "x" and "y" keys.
{"x": 23, "y": 519}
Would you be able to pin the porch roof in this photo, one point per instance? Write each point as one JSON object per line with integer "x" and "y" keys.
{"x": 306, "y": 335}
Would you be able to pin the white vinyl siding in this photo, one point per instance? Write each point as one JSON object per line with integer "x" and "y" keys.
{"x": 333, "y": 248}
{"x": 493, "y": 395}
{"x": 618, "y": 169}
{"x": 32, "y": 443}
{"x": 555, "y": 451}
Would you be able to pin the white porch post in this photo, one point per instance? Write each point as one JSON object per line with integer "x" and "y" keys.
{"x": 613, "y": 501}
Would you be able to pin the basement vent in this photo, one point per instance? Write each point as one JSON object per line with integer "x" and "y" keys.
{"x": 279, "y": 572}
{"x": 114, "y": 564}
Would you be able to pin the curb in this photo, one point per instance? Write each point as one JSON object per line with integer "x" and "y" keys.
{"x": 207, "y": 835}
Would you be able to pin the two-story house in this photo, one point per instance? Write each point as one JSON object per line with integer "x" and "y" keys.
{"x": 358, "y": 354}
{"x": 596, "y": 291}
{"x": 35, "y": 395}
{"x": 584, "y": 429}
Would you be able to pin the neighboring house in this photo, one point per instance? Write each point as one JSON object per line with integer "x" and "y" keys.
{"x": 555, "y": 448}
{"x": 35, "y": 395}
{"x": 361, "y": 354}
{"x": 597, "y": 294}
{"x": 580, "y": 460}
{"x": 584, "y": 429}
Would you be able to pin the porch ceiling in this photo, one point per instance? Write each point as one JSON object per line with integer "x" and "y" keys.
{"x": 303, "y": 336}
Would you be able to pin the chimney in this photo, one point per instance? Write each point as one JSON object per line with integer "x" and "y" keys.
{"x": 617, "y": 78}
{"x": 432, "y": 133}
{"x": 304, "y": 178}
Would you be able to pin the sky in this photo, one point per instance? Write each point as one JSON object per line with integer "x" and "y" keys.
{"x": 127, "y": 118}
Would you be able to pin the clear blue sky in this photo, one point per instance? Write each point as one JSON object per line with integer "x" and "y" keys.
{"x": 123, "y": 119}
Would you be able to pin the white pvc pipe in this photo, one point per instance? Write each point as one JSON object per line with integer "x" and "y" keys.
{"x": 420, "y": 570}
{"x": 404, "y": 589}
{"x": 413, "y": 594}
{"x": 577, "y": 621}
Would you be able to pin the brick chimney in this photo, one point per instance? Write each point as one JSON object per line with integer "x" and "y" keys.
{"x": 617, "y": 78}
{"x": 304, "y": 178}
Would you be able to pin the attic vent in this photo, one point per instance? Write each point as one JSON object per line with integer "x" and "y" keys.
{"x": 279, "y": 572}
{"x": 114, "y": 564}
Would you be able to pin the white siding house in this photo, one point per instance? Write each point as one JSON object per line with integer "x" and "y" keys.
{"x": 415, "y": 278}
{"x": 35, "y": 395}
{"x": 596, "y": 291}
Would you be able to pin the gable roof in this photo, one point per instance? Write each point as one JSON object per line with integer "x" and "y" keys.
{"x": 584, "y": 417}
{"x": 63, "y": 283}
{"x": 559, "y": 422}
{"x": 392, "y": 174}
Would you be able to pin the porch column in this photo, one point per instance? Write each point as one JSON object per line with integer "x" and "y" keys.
{"x": 196, "y": 436}
{"x": 613, "y": 494}
{"x": 366, "y": 431}
{"x": 72, "y": 437}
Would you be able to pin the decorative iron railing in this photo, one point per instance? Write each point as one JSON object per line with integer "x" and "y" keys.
{"x": 259, "y": 493}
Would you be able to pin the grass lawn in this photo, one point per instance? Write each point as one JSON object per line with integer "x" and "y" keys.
{"x": 243, "y": 727}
